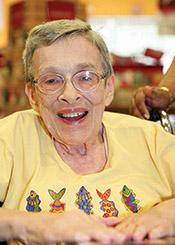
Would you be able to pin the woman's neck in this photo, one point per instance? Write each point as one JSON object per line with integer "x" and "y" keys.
{"x": 87, "y": 157}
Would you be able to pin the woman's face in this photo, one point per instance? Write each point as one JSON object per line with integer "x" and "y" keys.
{"x": 71, "y": 116}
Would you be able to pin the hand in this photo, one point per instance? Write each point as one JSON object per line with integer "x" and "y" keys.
{"x": 74, "y": 226}
{"x": 156, "y": 223}
{"x": 149, "y": 97}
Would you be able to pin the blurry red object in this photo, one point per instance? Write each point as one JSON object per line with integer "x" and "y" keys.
{"x": 156, "y": 54}
{"x": 167, "y": 6}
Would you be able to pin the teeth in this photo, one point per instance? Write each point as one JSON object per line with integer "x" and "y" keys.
{"x": 73, "y": 114}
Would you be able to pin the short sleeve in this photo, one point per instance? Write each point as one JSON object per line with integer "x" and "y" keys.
{"x": 6, "y": 163}
{"x": 165, "y": 151}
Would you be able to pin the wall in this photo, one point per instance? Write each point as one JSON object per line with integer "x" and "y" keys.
{"x": 119, "y": 7}
{"x": 5, "y": 14}
{"x": 94, "y": 8}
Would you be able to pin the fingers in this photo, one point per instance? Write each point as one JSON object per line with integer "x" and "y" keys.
{"x": 93, "y": 228}
{"x": 138, "y": 103}
{"x": 149, "y": 97}
{"x": 108, "y": 235}
{"x": 111, "y": 237}
{"x": 78, "y": 237}
{"x": 134, "y": 230}
{"x": 139, "y": 110}
{"x": 139, "y": 227}
{"x": 111, "y": 221}
{"x": 103, "y": 236}
{"x": 160, "y": 98}
{"x": 153, "y": 232}
{"x": 161, "y": 231}
{"x": 140, "y": 233}
{"x": 127, "y": 224}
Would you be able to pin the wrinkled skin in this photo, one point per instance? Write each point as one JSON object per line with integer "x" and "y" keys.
{"x": 73, "y": 226}
{"x": 156, "y": 223}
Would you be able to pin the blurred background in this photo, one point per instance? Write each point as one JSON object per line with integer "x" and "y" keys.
{"x": 140, "y": 35}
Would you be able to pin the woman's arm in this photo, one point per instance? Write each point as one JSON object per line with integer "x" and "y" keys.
{"x": 158, "y": 222}
{"x": 45, "y": 228}
{"x": 169, "y": 78}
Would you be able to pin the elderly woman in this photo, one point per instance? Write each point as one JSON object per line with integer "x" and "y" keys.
{"x": 66, "y": 154}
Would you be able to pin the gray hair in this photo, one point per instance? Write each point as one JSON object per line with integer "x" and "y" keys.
{"x": 47, "y": 33}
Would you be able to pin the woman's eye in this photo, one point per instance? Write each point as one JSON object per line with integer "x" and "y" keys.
{"x": 86, "y": 78}
{"x": 50, "y": 81}
{"x": 53, "y": 81}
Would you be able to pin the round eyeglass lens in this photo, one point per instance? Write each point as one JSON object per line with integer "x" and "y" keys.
{"x": 85, "y": 80}
{"x": 51, "y": 83}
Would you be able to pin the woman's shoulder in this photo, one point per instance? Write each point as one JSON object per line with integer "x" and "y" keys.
{"x": 17, "y": 120}
{"x": 19, "y": 115}
{"x": 118, "y": 118}
{"x": 115, "y": 120}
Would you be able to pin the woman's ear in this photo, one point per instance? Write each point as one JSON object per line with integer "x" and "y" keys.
{"x": 31, "y": 94}
{"x": 110, "y": 88}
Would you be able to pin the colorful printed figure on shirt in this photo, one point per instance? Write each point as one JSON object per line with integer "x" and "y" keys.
{"x": 108, "y": 207}
{"x": 33, "y": 202}
{"x": 128, "y": 198}
{"x": 83, "y": 200}
{"x": 57, "y": 206}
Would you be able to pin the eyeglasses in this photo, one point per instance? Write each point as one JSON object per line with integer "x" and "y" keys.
{"x": 84, "y": 81}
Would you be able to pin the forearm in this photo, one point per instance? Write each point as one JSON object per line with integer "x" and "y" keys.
{"x": 155, "y": 223}
{"x": 169, "y": 79}
{"x": 47, "y": 228}
{"x": 30, "y": 228}
{"x": 168, "y": 205}
{"x": 10, "y": 224}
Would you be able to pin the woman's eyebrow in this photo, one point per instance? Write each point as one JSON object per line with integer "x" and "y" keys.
{"x": 58, "y": 69}
{"x": 85, "y": 66}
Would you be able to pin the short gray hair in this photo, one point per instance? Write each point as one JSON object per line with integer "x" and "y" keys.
{"x": 47, "y": 33}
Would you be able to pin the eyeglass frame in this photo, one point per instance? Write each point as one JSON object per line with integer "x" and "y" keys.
{"x": 99, "y": 76}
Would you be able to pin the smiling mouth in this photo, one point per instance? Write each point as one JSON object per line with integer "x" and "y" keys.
{"x": 72, "y": 116}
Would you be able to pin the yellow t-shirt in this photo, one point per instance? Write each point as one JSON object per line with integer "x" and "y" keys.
{"x": 140, "y": 171}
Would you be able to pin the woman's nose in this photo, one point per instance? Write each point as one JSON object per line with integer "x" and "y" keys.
{"x": 69, "y": 94}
